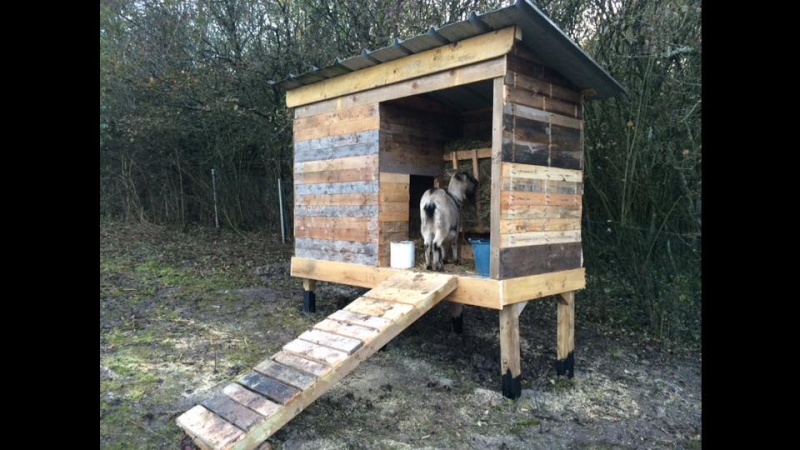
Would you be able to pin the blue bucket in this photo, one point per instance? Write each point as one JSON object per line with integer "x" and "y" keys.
{"x": 480, "y": 248}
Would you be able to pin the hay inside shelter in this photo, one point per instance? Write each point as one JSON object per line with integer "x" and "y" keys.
{"x": 474, "y": 217}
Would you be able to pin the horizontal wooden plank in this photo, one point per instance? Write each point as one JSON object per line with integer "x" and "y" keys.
{"x": 471, "y": 73}
{"x": 209, "y": 428}
{"x": 468, "y": 51}
{"x": 527, "y": 98}
{"x": 252, "y": 400}
{"x": 359, "y": 223}
{"x": 333, "y": 147}
{"x": 358, "y": 187}
{"x": 394, "y": 192}
{"x": 389, "y": 177}
{"x": 539, "y": 238}
{"x": 542, "y": 116}
{"x": 476, "y": 291}
{"x": 336, "y": 233}
{"x": 518, "y": 184}
{"x": 541, "y": 87}
{"x": 345, "y": 127}
{"x": 337, "y": 200}
{"x": 467, "y": 155}
{"x": 537, "y": 259}
{"x": 522, "y": 289}
{"x": 394, "y": 212}
{"x": 378, "y": 307}
{"x": 366, "y": 212}
{"x": 367, "y": 173}
{"x": 269, "y": 387}
{"x": 285, "y": 374}
{"x": 523, "y": 61}
{"x": 508, "y": 226}
{"x": 329, "y": 165}
{"x": 321, "y": 354}
{"x": 533, "y": 199}
{"x": 518, "y": 212}
{"x": 334, "y": 250}
{"x": 514, "y": 170}
{"x": 342, "y": 343}
{"x": 303, "y": 364}
{"x": 327, "y": 119}
{"x": 232, "y": 411}
{"x": 363, "y": 334}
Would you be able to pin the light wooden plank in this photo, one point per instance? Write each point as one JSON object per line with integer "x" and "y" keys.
{"x": 358, "y": 187}
{"x": 532, "y": 199}
{"x": 377, "y": 323}
{"x": 468, "y": 51}
{"x": 345, "y": 127}
{"x": 326, "y": 165}
{"x": 336, "y": 200}
{"x": 519, "y": 184}
{"x": 336, "y": 233}
{"x": 327, "y": 119}
{"x": 269, "y": 387}
{"x": 514, "y": 170}
{"x": 509, "y": 343}
{"x": 364, "y": 334}
{"x": 366, "y": 173}
{"x": 499, "y": 132}
{"x": 378, "y": 307}
{"x": 442, "y": 80}
{"x": 232, "y": 411}
{"x": 539, "y": 238}
{"x": 266, "y": 428}
{"x": 285, "y": 374}
{"x": 471, "y": 290}
{"x": 345, "y": 344}
{"x": 527, "y": 112}
{"x": 209, "y": 428}
{"x": 389, "y": 177}
{"x": 306, "y": 365}
{"x": 566, "y": 325}
{"x": 510, "y": 226}
{"x": 321, "y": 354}
{"x": 394, "y": 192}
{"x": 532, "y": 287}
{"x": 256, "y": 402}
{"x": 539, "y": 212}
{"x": 540, "y": 102}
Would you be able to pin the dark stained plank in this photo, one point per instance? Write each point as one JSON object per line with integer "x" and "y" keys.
{"x": 211, "y": 429}
{"x": 286, "y": 374}
{"x": 256, "y": 402}
{"x": 232, "y": 411}
{"x": 538, "y": 259}
{"x": 306, "y": 365}
{"x": 269, "y": 387}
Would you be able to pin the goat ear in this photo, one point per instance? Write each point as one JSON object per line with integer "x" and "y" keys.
{"x": 459, "y": 176}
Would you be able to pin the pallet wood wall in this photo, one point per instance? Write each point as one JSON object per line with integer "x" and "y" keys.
{"x": 542, "y": 171}
{"x": 336, "y": 182}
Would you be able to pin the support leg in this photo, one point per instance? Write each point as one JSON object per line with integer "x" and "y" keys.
{"x": 309, "y": 299}
{"x": 566, "y": 335}
{"x": 510, "y": 367}
{"x": 457, "y": 318}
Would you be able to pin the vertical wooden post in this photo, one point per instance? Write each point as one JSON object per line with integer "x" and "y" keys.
{"x": 309, "y": 298}
{"x": 460, "y": 232}
{"x": 566, "y": 335}
{"x": 510, "y": 367}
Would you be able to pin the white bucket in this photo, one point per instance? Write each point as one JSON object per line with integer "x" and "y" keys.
{"x": 402, "y": 255}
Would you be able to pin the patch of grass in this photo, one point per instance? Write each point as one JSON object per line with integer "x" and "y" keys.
{"x": 561, "y": 384}
{"x": 520, "y": 426}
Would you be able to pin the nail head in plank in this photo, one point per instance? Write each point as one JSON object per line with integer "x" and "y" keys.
{"x": 286, "y": 374}
{"x": 269, "y": 387}
{"x": 363, "y": 334}
{"x": 360, "y": 319}
{"x": 345, "y": 344}
{"x": 256, "y": 402}
{"x": 300, "y": 363}
{"x": 208, "y": 427}
{"x": 325, "y": 355}
{"x": 232, "y": 411}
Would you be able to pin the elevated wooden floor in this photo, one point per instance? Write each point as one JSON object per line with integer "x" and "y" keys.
{"x": 251, "y": 409}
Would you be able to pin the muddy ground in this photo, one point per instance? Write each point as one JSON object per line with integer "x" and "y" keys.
{"x": 182, "y": 313}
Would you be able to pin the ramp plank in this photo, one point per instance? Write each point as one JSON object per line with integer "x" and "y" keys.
{"x": 345, "y": 344}
{"x": 209, "y": 428}
{"x": 379, "y": 308}
{"x": 232, "y": 411}
{"x": 269, "y": 387}
{"x": 363, "y": 334}
{"x": 299, "y": 363}
{"x": 319, "y": 353}
{"x": 256, "y": 402}
{"x": 286, "y": 374}
{"x": 376, "y": 323}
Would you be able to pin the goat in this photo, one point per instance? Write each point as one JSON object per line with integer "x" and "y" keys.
{"x": 440, "y": 215}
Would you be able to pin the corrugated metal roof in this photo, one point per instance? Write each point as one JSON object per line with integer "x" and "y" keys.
{"x": 539, "y": 34}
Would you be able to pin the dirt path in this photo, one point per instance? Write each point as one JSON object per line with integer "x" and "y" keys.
{"x": 428, "y": 389}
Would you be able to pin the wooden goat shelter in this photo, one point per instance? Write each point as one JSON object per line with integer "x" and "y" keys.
{"x": 373, "y": 132}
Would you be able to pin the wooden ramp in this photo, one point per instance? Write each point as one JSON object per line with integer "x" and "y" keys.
{"x": 251, "y": 409}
